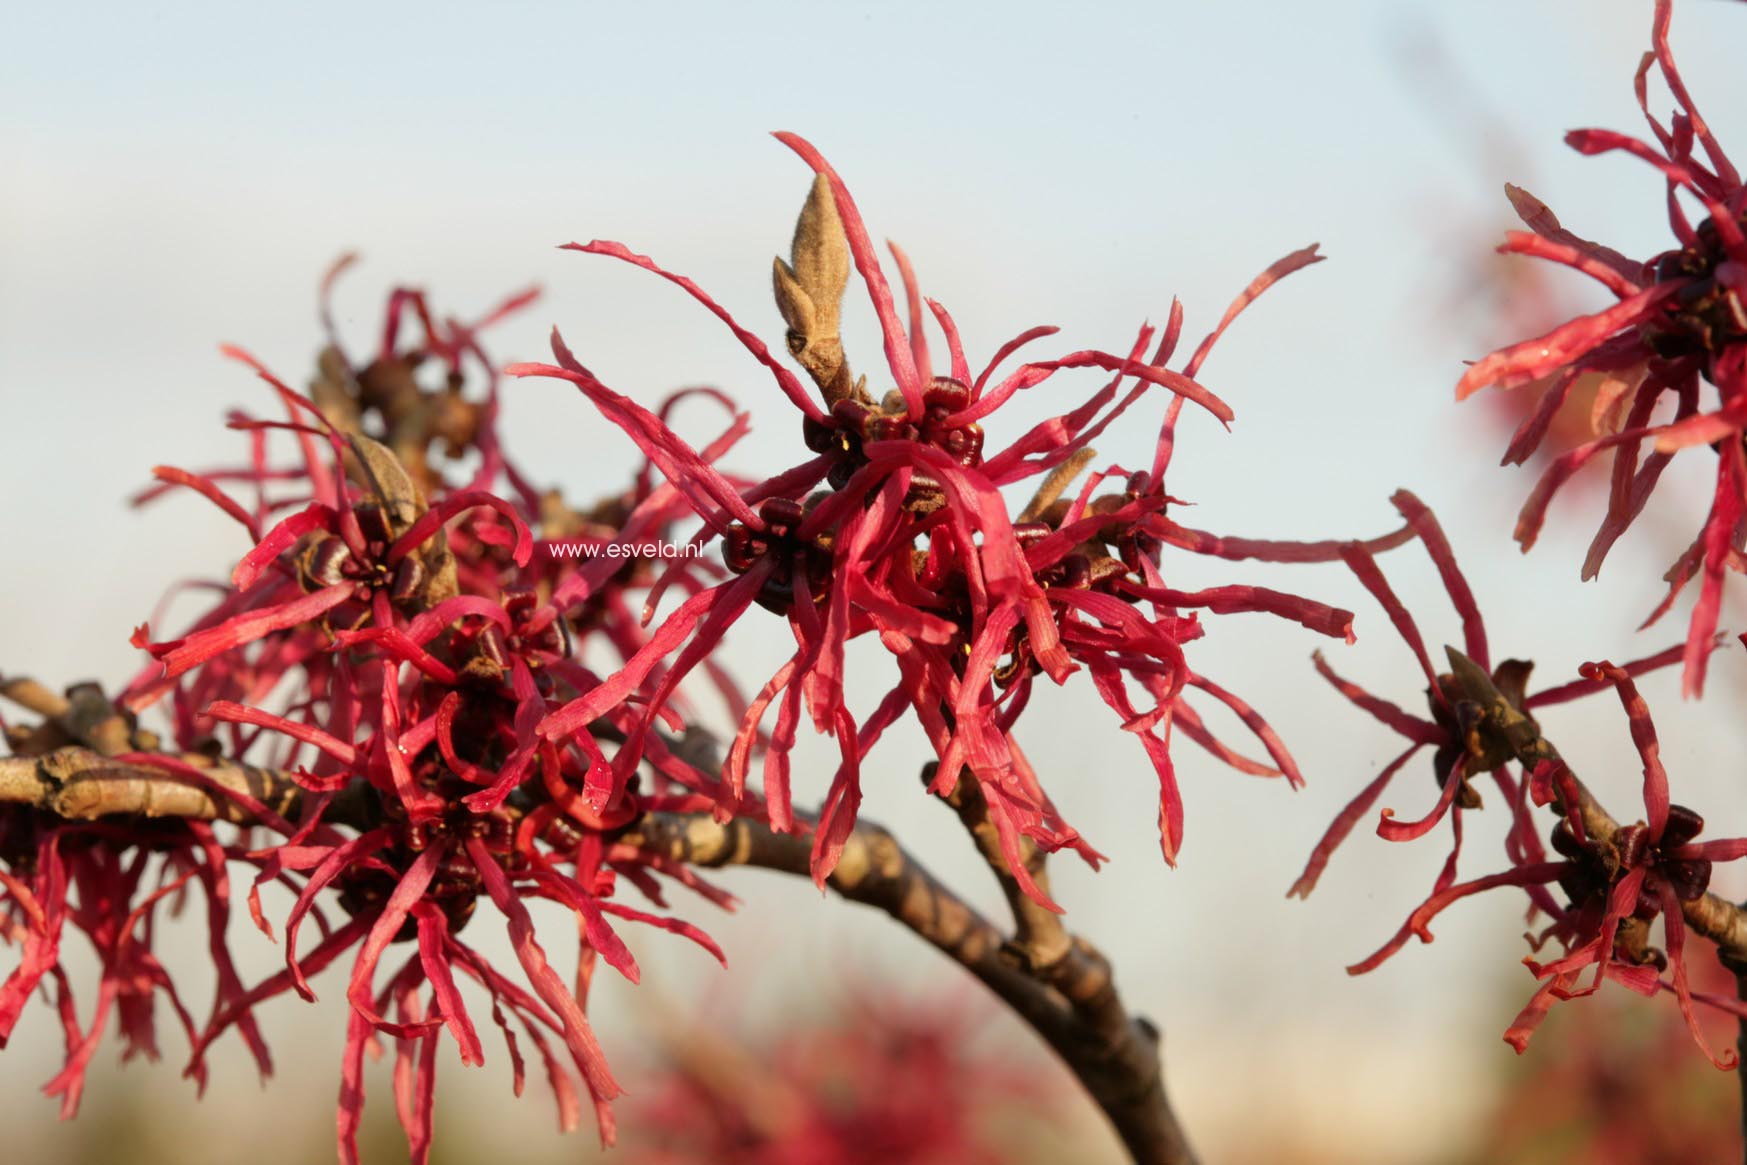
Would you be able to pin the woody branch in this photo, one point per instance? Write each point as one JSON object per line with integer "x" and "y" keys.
{"x": 1071, "y": 1000}
{"x": 1129, "y": 1071}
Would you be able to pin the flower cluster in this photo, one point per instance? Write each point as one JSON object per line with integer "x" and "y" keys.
{"x": 896, "y": 527}
{"x": 411, "y": 702}
{"x": 398, "y": 649}
{"x": 1614, "y": 880}
{"x": 1677, "y": 332}
{"x": 388, "y": 646}
{"x": 111, "y": 884}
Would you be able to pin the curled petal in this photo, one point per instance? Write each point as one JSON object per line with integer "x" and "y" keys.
{"x": 1536, "y": 874}
{"x": 432, "y": 520}
{"x": 1390, "y": 829}
{"x": 1643, "y": 738}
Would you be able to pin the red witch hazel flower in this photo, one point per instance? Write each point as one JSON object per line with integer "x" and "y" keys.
{"x": 60, "y": 875}
{"x": 897, "y": 527}
{"x": 1616, "y": 879}
{"x": 1461, "y": 753}
{"x": 1616, "y": 886}
{"x": 394, "y": 646}
{"x": 77, "y": 879}
{"x": 1455, "y": 764}
{"x": 1678, "y": 330}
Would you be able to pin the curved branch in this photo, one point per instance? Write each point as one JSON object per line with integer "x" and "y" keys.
{"x": 80, "y": 785}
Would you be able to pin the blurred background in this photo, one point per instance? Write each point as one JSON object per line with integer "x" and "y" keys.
{"x": 180, "y": 175}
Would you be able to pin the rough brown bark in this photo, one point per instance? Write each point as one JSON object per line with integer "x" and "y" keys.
{"x": 80, "y": 784}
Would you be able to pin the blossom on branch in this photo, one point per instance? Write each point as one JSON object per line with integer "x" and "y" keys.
{"x": 1677, "y": 331}
{"x": 896, "y": 527}
{"x": 393, "y": 643}
{"x": 1615, "y": 887}
{"x": 1615, "y": 880}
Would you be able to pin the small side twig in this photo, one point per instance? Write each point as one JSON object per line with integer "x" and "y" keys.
{"x": 1121, "y": 1063}
{"x": 1040, "y": 942}
{"x": 33, "y": 696}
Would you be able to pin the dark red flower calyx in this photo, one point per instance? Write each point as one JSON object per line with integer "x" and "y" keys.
{"x": 1596, "y": 867}
{"x": 854, "y": 423}
{"x": 788, "y": 554}
{"x": 457, "y": 883}
{"x": 1473, "y": 736}
{"x": 1707, "y": 313}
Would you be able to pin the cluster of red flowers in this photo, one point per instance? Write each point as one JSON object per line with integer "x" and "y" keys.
{"x": 1678, "y": 330}
{"x": 896, "y": 527}
{"x": 55, "y": 875}
{"x": 408, "y": 643}
{"x": 398, "y": 640}
{"x": 1679, "y": 325}
{"x": 1614, "y": 887}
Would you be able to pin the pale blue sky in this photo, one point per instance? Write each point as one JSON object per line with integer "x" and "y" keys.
{"x": 178, "y": 175}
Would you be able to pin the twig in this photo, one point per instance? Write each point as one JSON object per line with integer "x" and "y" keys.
{"x": 78, "y": 784}
{"x": 1042, "y": 946}
{"x": 1040, "y": 941}
{"x": 33, "y": 696}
